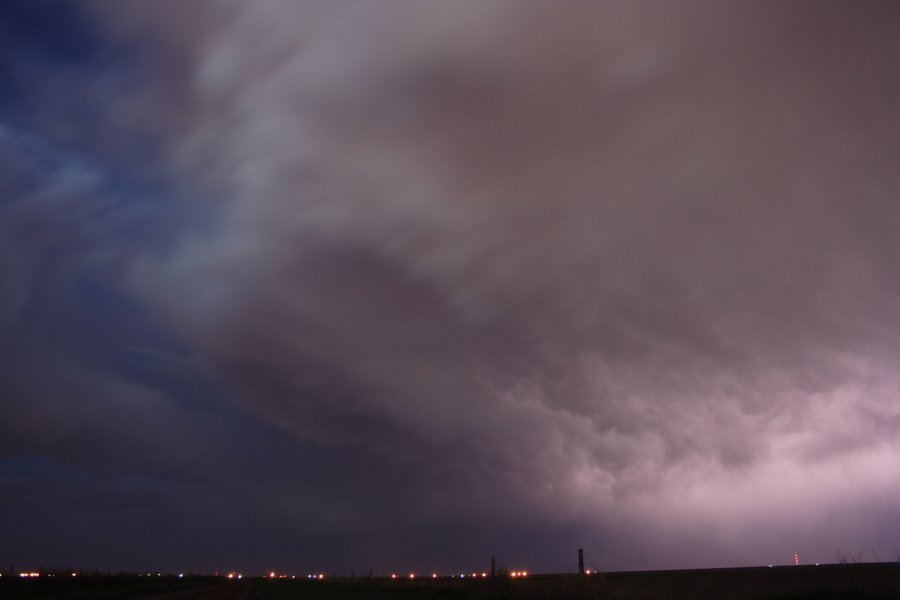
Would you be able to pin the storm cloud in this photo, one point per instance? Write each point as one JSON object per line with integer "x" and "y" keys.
{"x": 428, "y": 282}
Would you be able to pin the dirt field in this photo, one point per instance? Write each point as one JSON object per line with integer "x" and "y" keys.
{"x": 827, "y": 582}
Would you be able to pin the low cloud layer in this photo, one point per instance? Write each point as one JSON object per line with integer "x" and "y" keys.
{"x": 445, "y": 281}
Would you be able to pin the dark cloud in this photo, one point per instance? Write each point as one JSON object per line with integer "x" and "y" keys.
{"x": 491, "y": 278}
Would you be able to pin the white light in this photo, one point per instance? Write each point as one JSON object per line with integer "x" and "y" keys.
{"x": 181, "y": 576}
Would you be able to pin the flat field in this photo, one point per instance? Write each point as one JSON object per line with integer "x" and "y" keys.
{"x": 875, "y": 581}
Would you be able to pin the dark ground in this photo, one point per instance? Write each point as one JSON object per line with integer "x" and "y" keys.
{"x": 876, "y": 581}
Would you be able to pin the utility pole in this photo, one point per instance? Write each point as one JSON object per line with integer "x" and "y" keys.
{"x": 581, "y": 561}
{"x": 493, "y": 567}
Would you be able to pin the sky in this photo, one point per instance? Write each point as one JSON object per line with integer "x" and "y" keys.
{"x": 401, "y": 285}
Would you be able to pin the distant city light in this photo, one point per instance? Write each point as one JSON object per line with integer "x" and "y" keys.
{"x": 434, "y": 575}
{"x": 181, "y": 576}
{"x": 412, "y": 575}
{"x": 272, "y": 575}
{"x": 393, "y": 576}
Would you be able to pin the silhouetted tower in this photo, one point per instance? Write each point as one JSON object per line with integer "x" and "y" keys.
{"x": 581, "y": 561}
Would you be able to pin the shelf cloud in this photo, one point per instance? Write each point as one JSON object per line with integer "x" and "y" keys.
{"x": 446, "y": 279}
